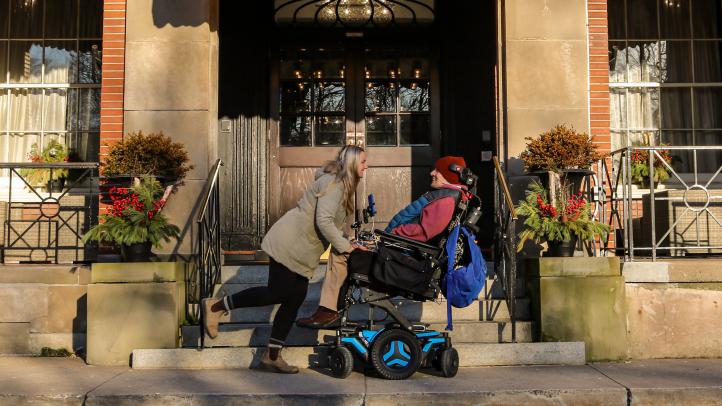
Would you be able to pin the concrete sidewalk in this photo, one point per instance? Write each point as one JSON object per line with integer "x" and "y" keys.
{"x": 656, "y": 382}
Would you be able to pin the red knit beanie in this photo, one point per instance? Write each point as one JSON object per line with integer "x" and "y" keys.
{"x": 442, "y": 165}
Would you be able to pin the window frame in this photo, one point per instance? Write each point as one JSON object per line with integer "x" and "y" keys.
{"x": 626, "y": 132}
{"x": 7, "y": 88}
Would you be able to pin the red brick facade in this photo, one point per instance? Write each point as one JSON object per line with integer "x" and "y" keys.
{"x": 111, "y": 102}
{"x": 598, "y": 74}
{"x": 599, "y": 115}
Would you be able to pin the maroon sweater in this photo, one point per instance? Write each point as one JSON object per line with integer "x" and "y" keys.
{"x": 435, "y": 216}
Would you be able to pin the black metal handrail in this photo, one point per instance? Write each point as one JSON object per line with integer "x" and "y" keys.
{"x": 207, "y": 271}
{"x": 47, "y": 226}
{"x": 505, "y": 242}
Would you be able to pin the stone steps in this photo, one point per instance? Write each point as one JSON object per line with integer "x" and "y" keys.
{"x": 487, "y": 310}
{"x": 256, "y": 335}
{"x": 236, "y": 278}
{"x": 470, "y": 355}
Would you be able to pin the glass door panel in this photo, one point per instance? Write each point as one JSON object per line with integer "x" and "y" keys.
{"x": 312, "y": 97}
{"x": 397, "y": 97}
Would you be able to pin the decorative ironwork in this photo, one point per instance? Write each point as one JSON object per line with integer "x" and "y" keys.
{"x": 354, "y": 13}
{"x": 207, "y": 271}
{"x": 505, "y": 242}
{"x": 696, "y": 207}
{"x": 41, "y": 225}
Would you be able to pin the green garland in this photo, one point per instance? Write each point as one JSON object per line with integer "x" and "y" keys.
{"x": 135, "y": 217}
{"x": 54, "y": 152}
{"x": 545, "y": 222}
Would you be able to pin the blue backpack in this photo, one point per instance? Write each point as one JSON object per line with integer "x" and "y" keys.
{"x": 462, "y": 284}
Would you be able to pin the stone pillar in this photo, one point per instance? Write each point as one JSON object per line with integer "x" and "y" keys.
{"x": 544, "y": 45}
{"x": 171, "y": 86}
{"x": 133, "y": 305}
{"x": 580, "y": 299}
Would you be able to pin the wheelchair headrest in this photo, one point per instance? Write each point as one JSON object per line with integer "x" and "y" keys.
{"x": 466, "y": 176}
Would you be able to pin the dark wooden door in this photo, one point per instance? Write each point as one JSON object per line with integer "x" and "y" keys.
{"x": 375, "y": 94}
{"x": 243, "y": 122}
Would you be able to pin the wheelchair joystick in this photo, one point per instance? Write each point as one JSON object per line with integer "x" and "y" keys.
{"x": 362, "y": 217}
{"x": 371, "y": 209}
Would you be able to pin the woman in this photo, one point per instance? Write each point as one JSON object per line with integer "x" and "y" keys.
{"x": 295, "y": 244}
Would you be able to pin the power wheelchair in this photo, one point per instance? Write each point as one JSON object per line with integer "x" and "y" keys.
{"x": 397, "y": 348}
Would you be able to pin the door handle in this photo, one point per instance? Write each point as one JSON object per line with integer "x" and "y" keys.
{"x": 358, "y": 139}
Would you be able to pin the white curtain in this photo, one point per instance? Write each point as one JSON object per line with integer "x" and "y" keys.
{"x": 634, "y": 108}
{"x": 26, "y": 112}
{"x": 639, "y": 113}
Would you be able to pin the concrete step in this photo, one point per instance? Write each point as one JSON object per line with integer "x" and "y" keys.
{"x": 470, "y": 355}
{"x": 256, "y": 335}
{"x": 490, "y": 310}
{"x": 235, "y": 278}
{"x": 492, "y": 289}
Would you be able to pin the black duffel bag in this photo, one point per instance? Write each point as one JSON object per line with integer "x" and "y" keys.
{"x": 404, "y": 272}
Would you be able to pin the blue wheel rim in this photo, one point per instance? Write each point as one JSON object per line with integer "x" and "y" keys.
{"x": 397, "y": 355}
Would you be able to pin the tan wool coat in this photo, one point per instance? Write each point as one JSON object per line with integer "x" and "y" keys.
{"x": 298, "y": 239}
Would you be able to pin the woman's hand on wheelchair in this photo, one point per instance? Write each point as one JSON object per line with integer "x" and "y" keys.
{"x": 358, "y": 246}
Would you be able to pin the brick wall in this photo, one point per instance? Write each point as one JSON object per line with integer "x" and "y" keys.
{"x": 111, "y": 99}
{"x": 598, "y": 74}
{"x": 599, "y": 118}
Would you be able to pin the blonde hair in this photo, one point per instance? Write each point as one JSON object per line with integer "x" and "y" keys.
{"x": 345, "y": 168}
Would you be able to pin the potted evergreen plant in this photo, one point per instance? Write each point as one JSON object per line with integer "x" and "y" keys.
{"x": 561, "y": 150}
{"x": 52, "y": 181}
{"x": 639, "y": 162}
{"x": 559, "y": 224}
{"x": 139, "y": 154}
{"x": 134, "y": 221}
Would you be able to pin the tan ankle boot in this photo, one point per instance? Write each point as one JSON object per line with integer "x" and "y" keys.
{"x": 279, "y": 365}
{"x": 211, "y": 318}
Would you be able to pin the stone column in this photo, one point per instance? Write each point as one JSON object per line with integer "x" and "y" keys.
{"x": 580, "y": 299}
{"x": 546, "y": 67}
{"x": 171, "y": 86}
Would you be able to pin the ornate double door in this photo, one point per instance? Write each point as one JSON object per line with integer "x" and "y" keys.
{"x": 354, "y": 91}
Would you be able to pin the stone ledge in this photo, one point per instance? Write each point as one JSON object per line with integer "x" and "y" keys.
{"x": 681, "y": 271}
{"x": 47, "y": 274}
{"x": 573, "y": 267}
{"x": 124, "y": 272}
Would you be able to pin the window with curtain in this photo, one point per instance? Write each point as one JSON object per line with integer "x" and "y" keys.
{"x": 50, "y": 61}
{"x": 665, "y": 76}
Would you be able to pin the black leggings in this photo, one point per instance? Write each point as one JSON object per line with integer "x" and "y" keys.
{"x": 285, "y": 287}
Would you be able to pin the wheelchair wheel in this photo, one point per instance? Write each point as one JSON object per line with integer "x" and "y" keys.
{"x": 449, "y": 362}
{"x": 341, "y": 361}
{"x": 396, "y": 354}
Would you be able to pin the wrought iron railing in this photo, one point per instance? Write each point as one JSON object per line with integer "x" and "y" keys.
{"x": 677, "y": 217}
{"x": 505, "y": 242}
{"x": 45, "y": 223}
{"x": 208, "y": 260}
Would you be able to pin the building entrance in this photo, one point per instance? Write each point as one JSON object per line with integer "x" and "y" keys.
{"x": 355, "y": 91}
{"x": 291, "y": 96}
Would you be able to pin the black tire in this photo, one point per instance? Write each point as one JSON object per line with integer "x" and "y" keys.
{"x": 341, "y": 361}
{"x": 396, "y": 354}
{"x": 436, "y": 359}
{"x": 449, "y": 362}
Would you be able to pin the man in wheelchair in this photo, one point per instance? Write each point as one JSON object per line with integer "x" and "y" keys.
{"x": 410, "y": 259}
{"x": 424, "y": 220}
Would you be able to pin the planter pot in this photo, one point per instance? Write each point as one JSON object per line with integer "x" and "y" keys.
{"x": 107, "y": 183}
{"x": 574, "y": 177}
{"x": 55, "y": 185}
{"x": 110, "y": 182}
{"x": 562, "y": 248}
{"x": 139, "y": 252}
